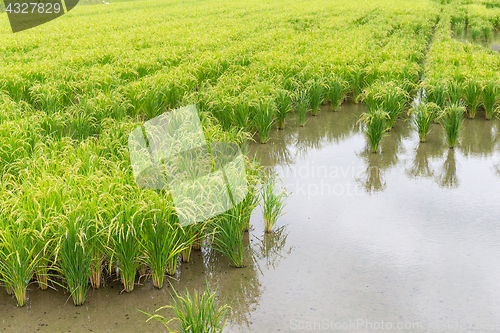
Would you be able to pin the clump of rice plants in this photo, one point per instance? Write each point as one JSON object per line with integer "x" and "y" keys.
{"x": 199, "y": 313}
{"x": 422, "y": 116}
{"x": 452, "y": 120}
{"x": 161, "y": 242}
{"x": 124, "y": 246}
{"x": 226, "y": 236}
{"x": 375, "y": 126}
{"x": 302, "y": 102}
{"x": 264, "y": 117}
{"x": 459, "y": 28}
{"x": 472, "y": 92}
{"x": 475, "y": 32}
{"x": 490, "y": 98}
{"x": 18, "y": 258}
{"x": 284, "y": 104}
{"x": 316, "y": 90}
{"x": 337, "y": 91}
{"x": 74, "y": 255}
{"x": 437, "y": 94}
{"x": 455, "y": 91}
{"x": 273, "y": 201}
{"x": 487, "y": 28}
{"x": 394, "y": 100}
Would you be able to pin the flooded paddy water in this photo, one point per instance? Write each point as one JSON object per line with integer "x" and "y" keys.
{"x": 404, "y": 240}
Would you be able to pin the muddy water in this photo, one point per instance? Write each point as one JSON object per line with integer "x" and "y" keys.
{"x": 404, "y": 240}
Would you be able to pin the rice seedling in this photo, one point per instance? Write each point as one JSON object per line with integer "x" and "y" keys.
{"x": 161, "y": 242}
{"x": 316, "y": 90}
{"x": 18, "y": 258}
{"x": 264, "y": 117}
{"x": 490, "y": 98}
{"x": 451, "y": 119}
{"x": 422, "y": 116}
{"x": 226, "y": 236}
{"x": 472, "y": 92}
{"x": 455, "y": 92}
{"x": 375, "y": 126}
{"x": 284, "y": 105}
{"x": 337, "y": 91}
{"x": 302, "y": 102}
{"x": 273, "y": 201}
{"x": 199, "y": 313}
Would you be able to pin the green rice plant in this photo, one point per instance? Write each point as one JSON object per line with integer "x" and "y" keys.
{"x": 124, "y": 246}
{"x": 264, "y": 117}
{"x": 375, "y": 126}
{"x": 316, "y": 89}
{"x": 437, "y": 94}
{"x": 472, "y": 92}
{"x": 337, "y": 91}
{"x": 487, "y": 28}
{"x": 455, "y": 92}
{"x": 161, "y": 242}
{"x": 490, "y": 98}
{"x": 302, "y": 102}
{"x": 459, "y": 28}
{"x": 74, "y": 256}
{"x": 242, "y": 115}
{"x": 452, "y": 120}
{"x": 18, "y": 257}
{"x": 273, "y": 201}
{"x": 252, "y": 200}
{"x": 284, "y": 105}
{"x": 199, "y": 313}
{"x": 475, "y": 32}
{"x": 358, "y": 81}
{"x": 422, "y": 116}
{"x": 394, "y": 100}
{"x": 226, "y": 236}
{"x": 188, "y": 238}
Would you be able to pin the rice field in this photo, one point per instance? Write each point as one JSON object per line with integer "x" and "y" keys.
{"x": 72, "y": 90}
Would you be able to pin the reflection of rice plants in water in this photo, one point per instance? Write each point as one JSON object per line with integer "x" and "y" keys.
{"x": 196, "y": 313}
{"x": 272, "y": 247}
{"x": 448, "y": 176}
